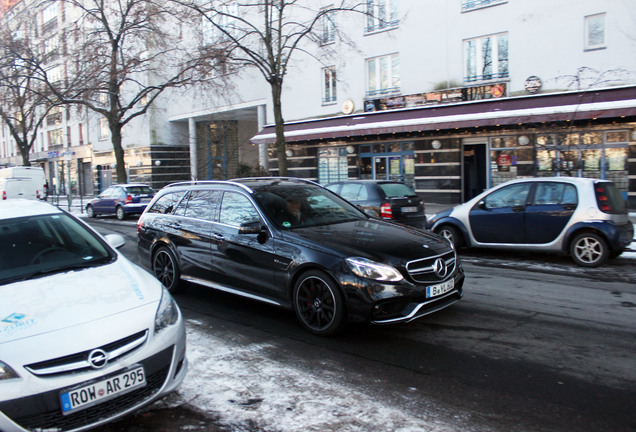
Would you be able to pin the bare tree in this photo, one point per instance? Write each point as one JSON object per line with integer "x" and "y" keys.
{"x": 127, "y": 52}
{"x": 265, "y": 34}
{"x": 25, "y": 100}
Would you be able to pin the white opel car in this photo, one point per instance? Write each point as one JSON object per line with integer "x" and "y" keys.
{"x": 86, "y": 336}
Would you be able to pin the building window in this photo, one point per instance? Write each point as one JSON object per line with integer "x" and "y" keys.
{"x": 328, "y": 28}
{"x": 595, "y": 31}
{"x": 329, "y": 85}
{"x": 55, "y": 137}
{"x": 468, "y": 5}
{"x": 486, "y": 58}
{"x": 381, "y": 15}
{"x": 103, "y": 128}
{"x": 50, "y": 46}
{"x": 383, "y": 75}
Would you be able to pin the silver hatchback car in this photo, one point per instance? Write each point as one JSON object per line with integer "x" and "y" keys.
{"x": 86, "y": 336}
{"x": 586, "y": 218}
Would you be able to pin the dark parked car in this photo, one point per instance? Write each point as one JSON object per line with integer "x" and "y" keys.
{"x": 387, "y": 199}
{"x": 121, "y": 200}
{"x": 332, "y": 264}
{"x": 586, "y": 218}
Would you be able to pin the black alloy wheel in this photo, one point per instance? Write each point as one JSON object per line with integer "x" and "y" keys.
{"x": 318, "y": 303}
{"x": 166, "y": 269}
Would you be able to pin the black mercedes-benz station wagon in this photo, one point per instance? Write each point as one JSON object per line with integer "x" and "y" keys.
{"x": 295, "y": 244}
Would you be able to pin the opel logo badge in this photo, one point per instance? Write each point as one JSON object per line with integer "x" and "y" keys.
{"x": 440, "y": 268}
{"x": 97, "y": 358}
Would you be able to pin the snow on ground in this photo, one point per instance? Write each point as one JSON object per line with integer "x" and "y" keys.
{"x": 248, "y": 386}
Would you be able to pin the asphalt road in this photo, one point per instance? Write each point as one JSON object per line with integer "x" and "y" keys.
{"x": 537, "y": 344}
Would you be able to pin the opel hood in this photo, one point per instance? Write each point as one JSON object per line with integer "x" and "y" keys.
{"x": 47, "y": 304}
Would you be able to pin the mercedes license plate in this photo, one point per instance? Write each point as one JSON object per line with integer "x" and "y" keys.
{"x": 91, "y": 394}
{"x": 409, "y": 209}
{"x": 439, "y": 289}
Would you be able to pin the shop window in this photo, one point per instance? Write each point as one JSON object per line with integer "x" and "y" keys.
{"x": 486, "y": 58}
{"x": 381, "y": 15}
{"x": 595, "y": 31}
{"x": 329, "y": 85}
{"x": 383, "y": 75}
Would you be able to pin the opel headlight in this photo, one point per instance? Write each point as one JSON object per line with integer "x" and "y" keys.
{"x": 373, "y": 270}
{"x": 167, "y": 312}
{"x": 6, "y": 372}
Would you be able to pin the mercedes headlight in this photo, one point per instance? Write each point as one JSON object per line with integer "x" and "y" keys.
{"x": 373, "y": 270}
{"x": 6, "y": 372}
{"x": 167, "y": 312}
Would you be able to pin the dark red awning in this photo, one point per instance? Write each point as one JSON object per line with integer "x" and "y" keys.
{"x": 556, "y": 107}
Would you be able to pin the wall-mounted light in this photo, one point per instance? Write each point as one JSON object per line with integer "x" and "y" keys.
{"x": 289, "y": 152}
{"x": 437, "y": 144}
{"x": 523, "y": 140}
{"x": 157, "y": 163}
{"x": 351, "y": 149}
{"x": 139, "y": 163}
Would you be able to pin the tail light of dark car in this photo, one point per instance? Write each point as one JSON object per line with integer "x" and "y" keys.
{"x": 129, "y": 199}
{"x": 385, "y": 211}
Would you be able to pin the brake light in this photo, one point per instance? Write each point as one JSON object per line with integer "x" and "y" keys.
{"x": 602, "y": 199}
{"x": 4, "y": 195}
{"x": 128, "y": 199}
{"x": 385, "y": 211}
{"x": 37, "y": 194}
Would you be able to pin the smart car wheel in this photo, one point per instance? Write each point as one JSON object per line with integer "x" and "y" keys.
{"x": 451, "y": 234}
{"x": 121, "y": 214}
{"x": 166, "y": 269}
{"x": 318, "y": 303}
{"x": 589, "y": 250}
{"x": 90, "y": 212}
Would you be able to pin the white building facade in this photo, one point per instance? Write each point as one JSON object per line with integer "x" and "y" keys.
{"x": 449, "y": 96}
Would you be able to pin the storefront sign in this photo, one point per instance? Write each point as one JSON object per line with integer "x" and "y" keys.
{"x": 437, "y": 97}
{"x": 504, "y": 162}
{"x": 533, "y": 84}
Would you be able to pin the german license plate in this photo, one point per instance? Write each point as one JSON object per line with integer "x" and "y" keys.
{"x": 144, "y": 200}
{"x": 91, "y": 394}
{"x": 409, "y": 209}
{"x": 439, "y": 289}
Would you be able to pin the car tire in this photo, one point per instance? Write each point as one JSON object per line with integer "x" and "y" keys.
{"x": 589, "y": 250}
{"x": 121, "y": 214}
{"x": 90, "y": 212}
{"x": 318, "y": 303}
{"x": 166, "y": 269}
{"x": 451, "y": 234}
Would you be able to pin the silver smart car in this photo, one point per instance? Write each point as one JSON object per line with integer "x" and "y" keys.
{"x": 586, "y": 218}
{"x": 86, "y": 336}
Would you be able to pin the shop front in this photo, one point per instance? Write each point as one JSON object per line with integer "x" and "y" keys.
{"x": 450, "y": 154}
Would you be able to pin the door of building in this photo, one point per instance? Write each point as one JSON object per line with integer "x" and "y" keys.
{"x": 475, "y": 171}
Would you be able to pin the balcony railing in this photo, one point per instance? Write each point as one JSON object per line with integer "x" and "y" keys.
{"x": 468, "y": 5}
{"x": 486, "y": 77}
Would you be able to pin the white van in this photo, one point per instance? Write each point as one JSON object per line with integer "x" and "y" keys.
{"x": 22, "y": 182}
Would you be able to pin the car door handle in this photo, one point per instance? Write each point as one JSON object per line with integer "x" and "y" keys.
{"x": 518, "y": 209}
{"x": 218, "y": 237}
{"x": 175, "y": 225}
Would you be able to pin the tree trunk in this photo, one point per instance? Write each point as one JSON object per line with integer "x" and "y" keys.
{"x": 24, "y": 152}
{"x": 280, "y": 128}
{"x": 115, "y": 131}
